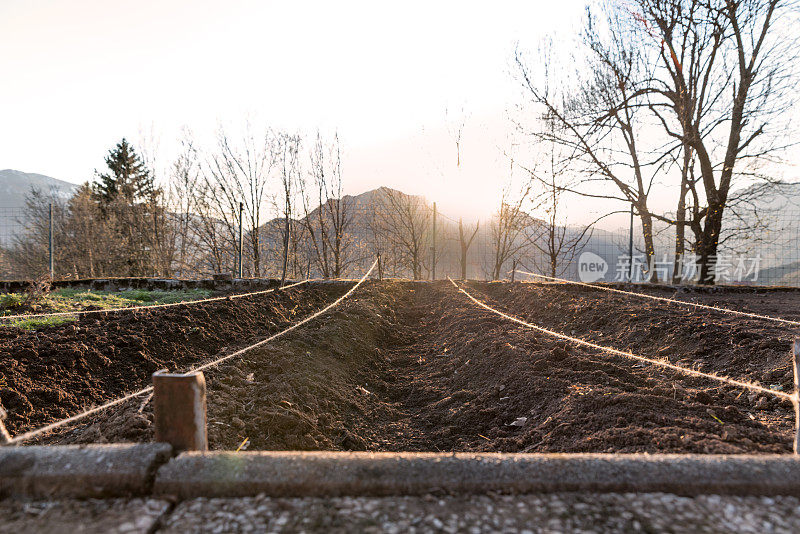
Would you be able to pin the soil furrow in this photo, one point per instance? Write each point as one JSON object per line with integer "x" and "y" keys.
{"x": 405, "y": 366}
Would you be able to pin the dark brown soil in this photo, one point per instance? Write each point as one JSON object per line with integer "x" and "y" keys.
{"x": 417, "y": 366}
{"x": 55, "y": 372}
{"x": 579, "y": 399}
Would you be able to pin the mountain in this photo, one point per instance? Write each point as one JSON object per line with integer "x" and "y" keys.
{"x": 15, "y": 186}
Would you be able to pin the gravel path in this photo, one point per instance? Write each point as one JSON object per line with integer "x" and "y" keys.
{"x": 564, "y": 512}
{"x": 131, "y": 516}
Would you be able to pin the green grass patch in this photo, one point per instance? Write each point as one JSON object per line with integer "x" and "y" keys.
{"x": 119, "y": 299}
{"x": 11, "y": 300}
{"x": 40, "y": 322}
{"x": 68, "y": 300}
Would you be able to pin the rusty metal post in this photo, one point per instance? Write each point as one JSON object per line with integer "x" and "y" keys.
{"x": 179, "y": 403}
{"x": 433, "y": 262}
{"x": 796, "y": 399}
{"x": 50, "y": 244}
{"x": 239, "y": 260}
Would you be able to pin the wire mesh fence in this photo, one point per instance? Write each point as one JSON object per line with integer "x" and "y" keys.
{"x": 760, "y": 250}
{"x": 11, "y": 227}
{"x": 762, "y": 253}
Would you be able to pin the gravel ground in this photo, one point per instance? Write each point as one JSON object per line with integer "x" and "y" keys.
{"x": 566, "y": 512}
{"x": 560, "y": 512}
{"x": 122, "y": 516}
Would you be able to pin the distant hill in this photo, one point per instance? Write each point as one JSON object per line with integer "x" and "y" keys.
{"x": 15, "y": 186}
{"x": 768, "y": 227}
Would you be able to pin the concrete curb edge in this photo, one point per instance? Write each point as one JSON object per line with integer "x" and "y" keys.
{"x": 97, "y": 471}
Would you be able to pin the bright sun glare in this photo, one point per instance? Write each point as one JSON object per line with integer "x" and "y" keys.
{"x": 388, "y": 78}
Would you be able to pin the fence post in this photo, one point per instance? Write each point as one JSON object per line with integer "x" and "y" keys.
{"x": 433, "y": 269}
{"x": 5, "y": 437}
{"x": 50, "y": 242}
{"x": 796, "y": 399}
{"x": 179, "y": 405}
{"x": 239, "y": 266}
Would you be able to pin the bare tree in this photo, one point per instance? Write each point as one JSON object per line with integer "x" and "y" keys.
{"x": 86, "y": 241}
{"x": 464, "y": 244}
{"x": 599, "y": 115}
{"x": 87, "y": 246}
{"x": 300, "y": 251}
{"x": 28, "y": 253}
{"x": 289, "y": 174}
{"x": 465, "y": 239}
{"x": 241, "y": 172}
{"x": 405, "y": 222}
{"x": 507, "y": 227}
{"x": 456, "y": 131}
{"x": 724, "y": 76}
{"x": 328, "y": 224}
{"x": 184, "y": 195}
{"x": 212, "y": 235}
{"x": 555, "y": 241}
{"x": 377, "y": 238}
{"x": 688, "y": 183}
{"x": 156, "y": 224}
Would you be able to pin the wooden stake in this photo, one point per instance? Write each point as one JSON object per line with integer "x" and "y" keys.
{"x": 5, "y": 437}
{"x": 179, "y": 403}
{"x": 796, "y": 399}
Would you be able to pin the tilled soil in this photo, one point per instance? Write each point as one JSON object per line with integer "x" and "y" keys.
{"x": 419, "y": 367}
{"x": 54, "y": 372}
{"x": 582, "y": 400}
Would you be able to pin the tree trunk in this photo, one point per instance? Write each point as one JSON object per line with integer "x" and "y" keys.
{"x": 710, "y": 242}
{"x": 285, "y": 252}
{"x": 680, "y": 228}
{"x": 649, "y": 246}
{"x": 463, "y": 243}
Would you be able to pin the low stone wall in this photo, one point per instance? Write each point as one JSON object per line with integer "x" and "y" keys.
{"x": 80, "y": 471}
{"x": 255, "y": 284}
{"x": 120, "y": 284}
{"x": 146, "y": 470}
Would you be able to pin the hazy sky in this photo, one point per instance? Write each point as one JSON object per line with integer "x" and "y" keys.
{"x": 391, "y": 77}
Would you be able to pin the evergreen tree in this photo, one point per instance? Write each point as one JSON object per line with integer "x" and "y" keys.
{"x": 128, "y": 181}
{"x": 131, "y": 205}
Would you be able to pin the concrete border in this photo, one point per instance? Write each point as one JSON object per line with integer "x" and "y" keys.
{"x": 96, "y": 471}
{"x": 305, "y": 474}
{"x": 121, "y": 284}
{"x": 254, "y": 284}
{"x": 80, "y": 471}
